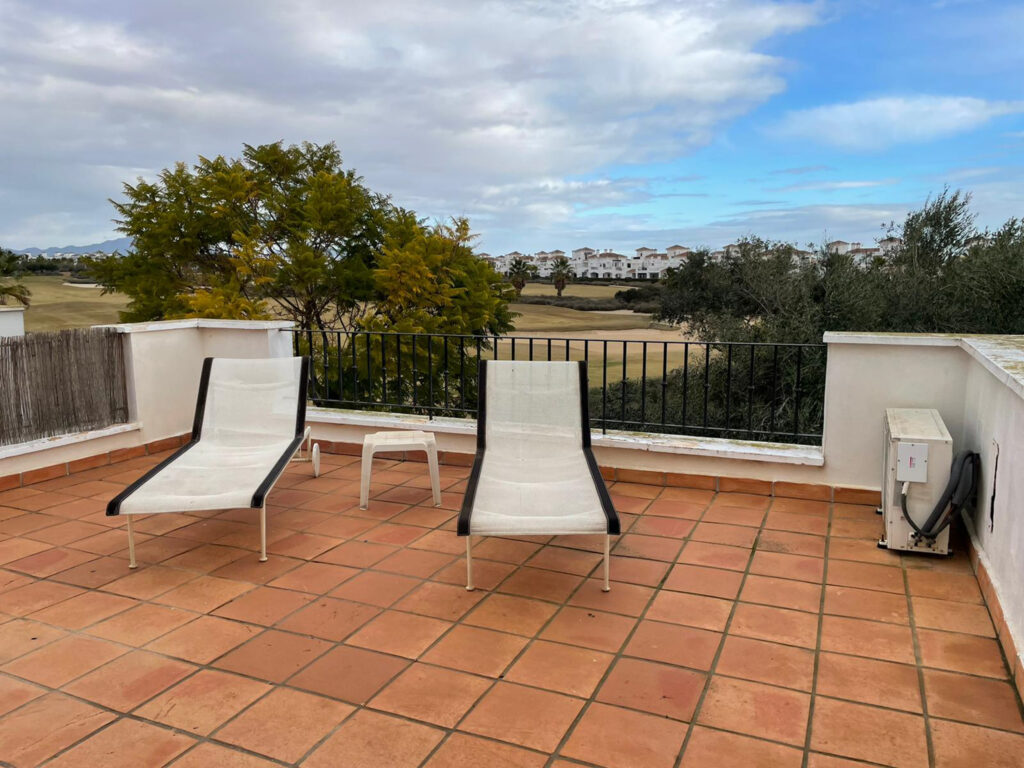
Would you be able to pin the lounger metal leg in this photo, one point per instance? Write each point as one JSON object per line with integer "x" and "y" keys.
{"x": 435, "y": 475}
{"x": 263, "y": 533}
{"x": 364, "y": 481}
{"x": 607, "y": 558}
{"x": 131, "y": 543}
{"x": 469, "y": 564}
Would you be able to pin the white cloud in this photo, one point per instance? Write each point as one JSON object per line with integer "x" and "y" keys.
{"x": 875, "y": 124}
{"x": 440, "y": 104}
{"x": 836, "y": 186}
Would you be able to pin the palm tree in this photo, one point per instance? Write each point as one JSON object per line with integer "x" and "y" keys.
{"x": 9, "y": 266}
{"x": 519, "y": 271}
{"x": 561, "y": 274}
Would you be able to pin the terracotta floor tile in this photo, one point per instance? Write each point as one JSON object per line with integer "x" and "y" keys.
{"x": 691, "y": 495}
{"x": 203, "y": 594}
{"x": 673, "y": 644}
{"x": 635, "y": 490}
{"x": 791, "y": 543}
{"x": 421, "y": 563}
{"x": 66, "y": 532}
{"x": 14, "y": 693}
{"x": 441, "y": 601}
{"x": 505, "y": 550}
{"x": 138, "y": 625}
{"x": 669, "y": 527}
{"x": 156, "y": 549}
{"x": 765, "y": 662}
{"x": 472, "y": 649}
{"x": 35, "y": 596}
{"x": 129, "y": 680}
{"x": 846, "y": 573}
{"x": 45, "y": 726}
{"x": 798, "y": 567}
{"x": 207, "y": 558}
{"x": 951, "y": 616}
{"x": 203, "y": 702}
{"x": 401, "y": 634}
{"x": 891, "y": 642}
{"x": 94, "y": 573}
{"x": 83, "y": 610}
{"x": 210, "y": 755}
{"x": 778, "y": 625}
{"x": 525, "y": 716}
{"x": 315, "y": 578}
{"x": 126, "y": 744}
{"x": 356, "y": 554}
{"x": 349, "y": 674}
{"x": 380, "y": 589}
{"x": 10, "y": 580}
{"x": 716, "y": 749}
{"x": 867, "y": 604}
{"x": 329, "y": 618}
{"x": 203, "y": 640}
{"x": 959, "y": 587}
{"x": 975, "y": 700}
{"x": 756, "y": 709}
{"x": 414, "y": 694}
{"x": 284, "y": 724}
{"x": 713, "y": 582}
{"x": 740, "y": 498}
{"x": 818, "y": 760}
{"x": 715, "y": 556}
{"x": 21, "y": 636}
{"x": 782, "y": 593}
{"x": 562, "y": 668}
{"x": 273, "y": 655}
{"x": 687, "y": 510}
{"x": 795, "y": 522}
{"x": 147, "y": 583}
{"x": 589, "y": 629}
{"x": 441, "y": 541}
{"x": 487, "y": 574}
{"x": 731, "y": 515}
{"x": 541, "y": 584}
{"x": 854, "y": 528}
{"x": 883, "y": 683}
{"x": 619, "y": 738}
{"x": 657, "y": 688}
{"x": 15, "y": 549}
{"x": 370, "y": 739}
{"x": 565, "y": 560}
{"x": 425, "y": 517}
{"x": 264, "y": 605}
{"x": 62, "y": 661}
{"x": 861, "y": 550}
{"x": 518, "y": 615}
{"x": 628, "y": 599}
{"x": 959, "y": 746}
{"x": 50, "y": 561}
{"x": 852, "y": 730}
{"x": 720, "y": 533}
{"x": 961, "y": 653}
{"x": 343, "y": 527}
{"x": 692, "y": 610}
{"x": 463, "y": 751}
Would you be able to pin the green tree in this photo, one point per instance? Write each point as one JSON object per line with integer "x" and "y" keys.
{"x": 10, "y": 272}
{"x": 288, "y": 231}
{"x": 561, "y": 274}
{"x": 519, "y": 272}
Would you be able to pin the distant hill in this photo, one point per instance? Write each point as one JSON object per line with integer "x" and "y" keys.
{"x": 107, "y": 246}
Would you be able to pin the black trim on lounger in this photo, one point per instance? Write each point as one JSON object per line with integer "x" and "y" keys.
{"x": 481, "y": 445}
{"x": 300, "y": 427}
{"x": 595, "y": 473}
{"x": 114, "y": 506}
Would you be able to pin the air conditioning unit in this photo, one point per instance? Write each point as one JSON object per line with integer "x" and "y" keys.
{"x": 917, "y": 457}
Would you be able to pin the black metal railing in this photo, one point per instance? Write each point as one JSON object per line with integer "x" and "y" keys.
{"x": 738, "y": 390}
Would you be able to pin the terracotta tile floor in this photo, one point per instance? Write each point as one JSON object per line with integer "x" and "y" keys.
{"x": 740, "y": 631}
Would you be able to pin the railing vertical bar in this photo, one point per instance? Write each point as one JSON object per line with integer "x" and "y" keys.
{"x": 444, "y": 341}
{"x": 643, "y": 385}
{"x": 398, "y": 369}
{"x": 462, "y": 374}
{"x": 355, "y": 368}
{"x": 549, "y": 350}
{"x": 369, "y": 369}
{"x": 750, "y": 393}
{"x": 604, "y": 388}
{"x": 728, "y": 388}
{"x": 686, "y": 380}
{"x": 774, "y": 403}
{"x": 326, "y": 352}
{"x": 415, "y": 383}
{"x": 384, "y": 368}
{"x": 707, "y": 382}
{"x": 341, "y": 368}
{"x": 796, "y": 393}
{"x": 664, "y": 381}
{"x": 430, "y": 375}
{"x": 622, "y": 389}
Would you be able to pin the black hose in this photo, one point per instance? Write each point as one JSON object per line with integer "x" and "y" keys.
{"x": 963, "y": 478}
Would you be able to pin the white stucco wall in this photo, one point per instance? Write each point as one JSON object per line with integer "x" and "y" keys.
{"x": 12, "y": 321}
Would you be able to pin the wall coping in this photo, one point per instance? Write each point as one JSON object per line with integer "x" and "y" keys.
{"x": 780, "y": 453}
{"x": 1000, "y": 355}
{"x": 46, "y": 443}
{"x": 200, "y": 322}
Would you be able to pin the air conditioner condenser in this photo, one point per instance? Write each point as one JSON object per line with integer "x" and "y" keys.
{"x": 923, "y": 486}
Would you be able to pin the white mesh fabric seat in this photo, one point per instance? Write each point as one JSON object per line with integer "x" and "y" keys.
{"x": 249, "y": 422}
{"x": 534, "y": 473}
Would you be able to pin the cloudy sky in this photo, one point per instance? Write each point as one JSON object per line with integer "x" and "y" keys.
{"x": 550, "y": 123}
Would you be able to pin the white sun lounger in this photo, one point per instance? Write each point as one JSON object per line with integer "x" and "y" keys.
{"x": 534, "y": 472}
{"x": 250, "y": 420}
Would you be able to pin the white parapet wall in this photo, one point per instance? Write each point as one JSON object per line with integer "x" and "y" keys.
{"x": 12, "y": 321}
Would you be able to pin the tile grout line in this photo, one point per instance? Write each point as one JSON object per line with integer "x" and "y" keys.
{"x": 817, "y": 647}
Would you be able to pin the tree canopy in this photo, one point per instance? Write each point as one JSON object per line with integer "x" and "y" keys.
{"x": 10, "y": 272}
{"x": 287, "y": 231}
